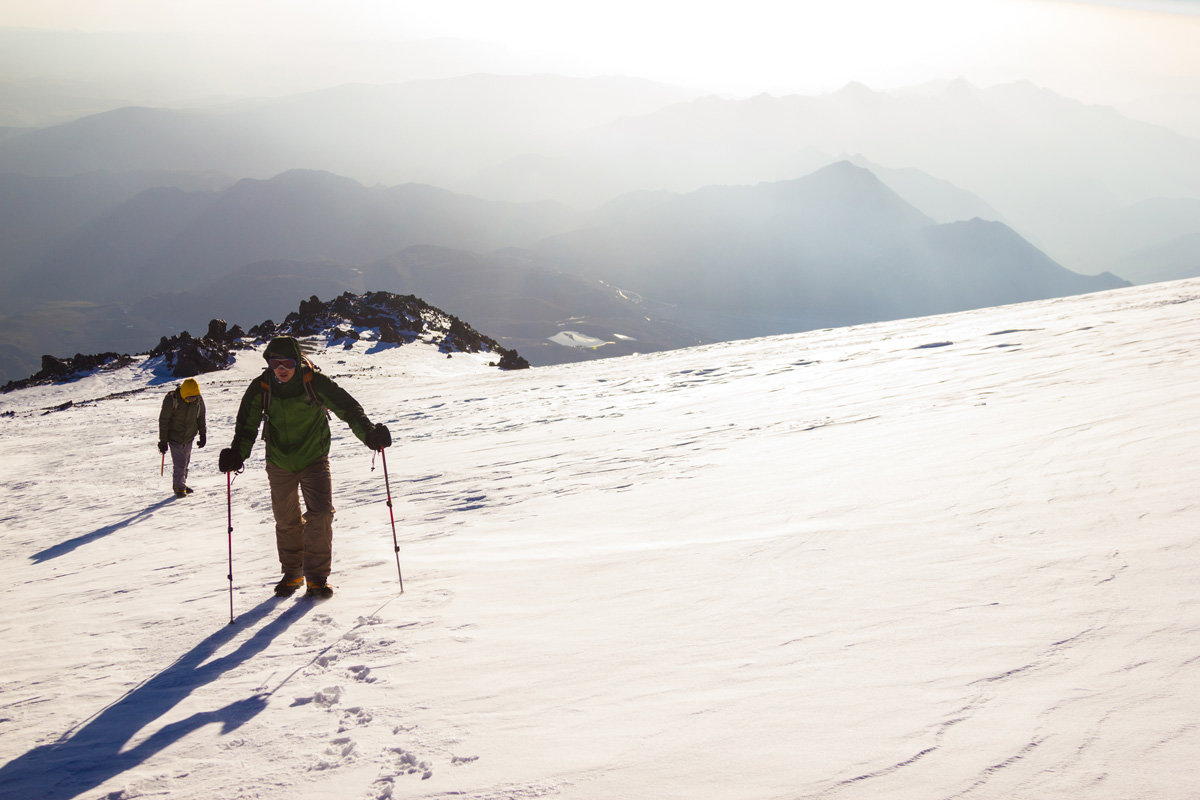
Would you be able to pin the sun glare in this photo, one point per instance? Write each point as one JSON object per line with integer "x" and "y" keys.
{"x": 757, "y": 45}
{"x": 744, "y": 48}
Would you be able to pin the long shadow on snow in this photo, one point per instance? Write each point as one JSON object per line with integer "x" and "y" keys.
{"x": 83, "y": 759}
{"x": 62, "y": 548}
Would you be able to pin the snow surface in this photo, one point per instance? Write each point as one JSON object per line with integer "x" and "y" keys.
{"x": 937, "y": 558}
{"x": 580, "y": 340}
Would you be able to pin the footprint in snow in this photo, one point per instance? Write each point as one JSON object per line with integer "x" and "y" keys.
{"x": 362, "y": 673}
{"x": 402, "y": 763}
{"x": 309, "y": 637}
{"x": 327, "y": 697}
{"x": 338, "y": 752}
{"x": 354, "y": 718}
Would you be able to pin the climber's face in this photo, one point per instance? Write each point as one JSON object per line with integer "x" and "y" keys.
{"x": 284, "y": 368}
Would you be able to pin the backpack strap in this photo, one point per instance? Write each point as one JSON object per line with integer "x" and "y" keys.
{"x": 265, "y": 383}
{"x": 311, "y": 390}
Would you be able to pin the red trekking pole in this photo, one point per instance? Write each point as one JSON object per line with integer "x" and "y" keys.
{"x": 388, "y": 486}
{"x": 229, "y": 506}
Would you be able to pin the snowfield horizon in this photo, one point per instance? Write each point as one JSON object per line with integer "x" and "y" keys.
{"x": 944, "y": 557}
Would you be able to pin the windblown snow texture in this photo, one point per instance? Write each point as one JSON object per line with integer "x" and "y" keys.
{"x": 952, "y": 557}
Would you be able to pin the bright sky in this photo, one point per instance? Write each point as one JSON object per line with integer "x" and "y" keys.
{"x": 743, "y": 47}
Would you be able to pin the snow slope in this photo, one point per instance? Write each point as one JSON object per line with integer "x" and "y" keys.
{"x": 937, "y": 558}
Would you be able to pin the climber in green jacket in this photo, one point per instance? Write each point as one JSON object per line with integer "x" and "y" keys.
{"x": 291, "y": 401}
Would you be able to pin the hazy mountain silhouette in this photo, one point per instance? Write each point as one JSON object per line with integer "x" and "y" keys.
{"x": 114, "y": 69}
{"x": 39, "y": 216}
{"x": 941, "y": 200}
{"x": 1170, "y": 261}
{"x": 1179, "y": 111}
{"x": 835, "y": 248}
{"x": 657, "y": 271}
{"x": 649, "y": 271}
{"x": 435, "y": 131}
{"x": 1151, "y": 241}
{"x": 168, "y": 240}
{"x": 248, "y": 295}
{"x": 1053, "y": 167}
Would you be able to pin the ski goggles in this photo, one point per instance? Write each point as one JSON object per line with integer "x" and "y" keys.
{"x": 286, "y": 363}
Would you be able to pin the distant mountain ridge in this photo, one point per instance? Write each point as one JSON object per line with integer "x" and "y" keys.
{"x": 1053, "y": 168}
{"x": 835, "y": 248}
{"x": 1058, "y": 171}
{"x": 649, "y": 271}
{"x": 41, "y": 215}
{"x": 423, "y": 131}
{"x": 166, "y": 239}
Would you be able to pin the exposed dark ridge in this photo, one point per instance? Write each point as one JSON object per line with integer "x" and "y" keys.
{"x": 385, "y": 317}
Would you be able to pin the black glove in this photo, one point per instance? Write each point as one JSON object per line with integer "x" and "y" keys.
{"x": 379, "y": 437}
{"x": 229, "y": 460}
{"x": 203, "y": 440}
{"x": 162, "y": 447}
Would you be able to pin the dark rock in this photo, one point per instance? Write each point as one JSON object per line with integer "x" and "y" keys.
{"x": 510, "y": 359}
{"x": 393, "y": 319}
{"x": 185, "y": 356}
{"x": 54, "y": 367}
{"x": 389, "y": 318}
{"x": 59, "y": 370}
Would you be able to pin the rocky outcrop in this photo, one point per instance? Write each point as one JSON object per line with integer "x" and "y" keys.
{"x": 185, "y": 356}
{"x": 387, "y": 318}
{"x": 57, "y": 370}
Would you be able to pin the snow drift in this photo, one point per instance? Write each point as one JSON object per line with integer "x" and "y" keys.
{"x": 935, "y": 558}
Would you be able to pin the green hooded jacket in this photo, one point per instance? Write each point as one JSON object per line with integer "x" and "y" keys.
{"x": 297, "y": 427}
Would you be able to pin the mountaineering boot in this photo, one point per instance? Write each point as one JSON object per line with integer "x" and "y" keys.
{"x": 288, "y": 586}
{"x": 180, "y": 492}
{"x": 318, "y": 589}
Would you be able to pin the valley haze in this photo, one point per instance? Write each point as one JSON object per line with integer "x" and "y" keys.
{"x": 154, "y": 151}
{"x": 857, "y": 458}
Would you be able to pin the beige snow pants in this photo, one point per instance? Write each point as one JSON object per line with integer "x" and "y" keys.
{"x": 304, "y": 540}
